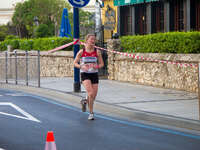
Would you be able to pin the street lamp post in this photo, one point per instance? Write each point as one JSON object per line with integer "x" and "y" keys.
{"x": 36, "y": 21}
{"x": 77, "y": 85}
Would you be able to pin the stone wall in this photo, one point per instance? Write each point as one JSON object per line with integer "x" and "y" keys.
{"x": 58, "y": 64}
{"x": 165, "y": 75}
{"x": 123, "y": 68}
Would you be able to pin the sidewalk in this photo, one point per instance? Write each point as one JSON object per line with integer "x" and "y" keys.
{"x": 135, "y": 102}
{"x": 136, "y": 97}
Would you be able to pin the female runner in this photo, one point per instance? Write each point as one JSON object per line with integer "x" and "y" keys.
{"x": 89, "y": 60}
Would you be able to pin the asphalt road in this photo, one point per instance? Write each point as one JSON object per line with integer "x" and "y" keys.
{"x": 25, "y": 120}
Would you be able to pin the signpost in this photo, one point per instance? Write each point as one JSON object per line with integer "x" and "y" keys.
{"x": 77, "y": 4}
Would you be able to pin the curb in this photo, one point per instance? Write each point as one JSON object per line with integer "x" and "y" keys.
{"x": 73, "y": 99}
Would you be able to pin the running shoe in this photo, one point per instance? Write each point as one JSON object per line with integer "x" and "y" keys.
{"x": 84, "y": 104}
{"x": 91, "y": 116}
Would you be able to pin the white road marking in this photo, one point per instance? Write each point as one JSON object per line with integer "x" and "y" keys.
{"x": 1, "y": 95}
{"x": 28, "y": 116}
{"x": 15, "y": 94}
{"x": 2, "y": 149}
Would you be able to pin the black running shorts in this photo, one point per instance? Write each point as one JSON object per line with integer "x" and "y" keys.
{"x": 93, "y": 77}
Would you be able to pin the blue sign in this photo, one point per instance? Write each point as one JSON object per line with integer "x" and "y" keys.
{"x": 79, "y": 3}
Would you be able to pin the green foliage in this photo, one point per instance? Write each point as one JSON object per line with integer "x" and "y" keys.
{"x": 170, "y": 42}
{"x": 87, "y": 23}
{"x": 26, "y": 44}
{"x": 11, "y": 37}
{"x": 42, "y": 44}
{"x": 2, "y": 36}
{"x": 51, "y": 43}
{"x": 13, "y": 42}
{"x": 3, "y": 46}
{"x": 49, "y": 12}
{"x": 3, "y": 32}
{"x": 42, "y": 31}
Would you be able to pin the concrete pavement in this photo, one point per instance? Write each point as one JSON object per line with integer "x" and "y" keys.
{"x": 129, "y": 101}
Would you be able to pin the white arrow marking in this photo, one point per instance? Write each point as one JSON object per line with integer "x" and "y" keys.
{"x": 79, "y": 3}
{"x": 28, "y": 116}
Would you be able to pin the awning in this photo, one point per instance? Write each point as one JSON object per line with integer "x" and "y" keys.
{"x": 127, "y": 2}
{"x": 130, "y": 2}
{"x": 151, "y": 0}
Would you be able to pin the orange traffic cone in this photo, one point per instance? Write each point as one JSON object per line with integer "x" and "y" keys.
{"x": 50, "y": 142}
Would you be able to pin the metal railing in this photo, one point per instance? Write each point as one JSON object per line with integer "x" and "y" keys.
{"x": 20, "y": 68}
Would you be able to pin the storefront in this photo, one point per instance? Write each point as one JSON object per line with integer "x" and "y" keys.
{"x": 152, "y": 16}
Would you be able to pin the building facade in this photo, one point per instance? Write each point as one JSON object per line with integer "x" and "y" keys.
{"x": 5, "y": 15}
{"x": 153, "y": 16}
{"x": 7, "y": 10}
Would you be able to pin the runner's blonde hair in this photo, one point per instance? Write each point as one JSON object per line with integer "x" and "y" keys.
{"x": 88, "y": 35}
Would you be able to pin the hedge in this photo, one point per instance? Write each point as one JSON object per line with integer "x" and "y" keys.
{"x": 170, "y": 42}
{"x": 42, "y": 44}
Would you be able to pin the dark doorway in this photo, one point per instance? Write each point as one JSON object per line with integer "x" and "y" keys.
{"x": 195, "y": 15}
{"x": 176, "y": 15}
{"x": 140, "y": 19}
{"x": 125, "y": 20}
{"x": 157, "y": 17}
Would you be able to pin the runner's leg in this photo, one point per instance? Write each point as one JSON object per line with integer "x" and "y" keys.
{"x": 95, "y": 89}
{"x": 90, "y": 92}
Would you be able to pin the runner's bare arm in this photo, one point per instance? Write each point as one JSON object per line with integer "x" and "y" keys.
{"x": 100, "y": 59}
{"x": 77, "y": 59}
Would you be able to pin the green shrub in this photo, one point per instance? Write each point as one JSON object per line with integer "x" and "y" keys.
{"x": 26, "y": 44}
{"x": 3, "y": 46}
{"x": 51, "y": 43}
{"x": 37, "y": 44}
{"x": 2, "y": 36}
{"x": 42, "y": 31}
{"x": 170, "y": 42}
{"x": 11, "y": 37}
{"x": 14, "y": 43}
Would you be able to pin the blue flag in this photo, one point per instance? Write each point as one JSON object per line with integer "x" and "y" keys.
{"x": 65, "y": 28}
